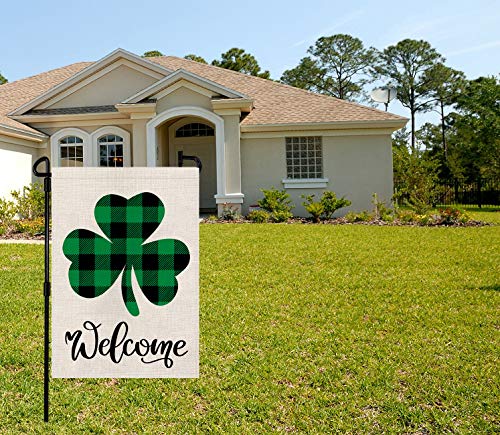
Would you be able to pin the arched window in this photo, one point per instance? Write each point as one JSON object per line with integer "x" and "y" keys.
{"x": 71, "y": 151}
{"x": 110, "y": 150}
{"x": 194, "y": 129}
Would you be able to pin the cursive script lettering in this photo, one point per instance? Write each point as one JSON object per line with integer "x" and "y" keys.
{"x": 85, "y": 343}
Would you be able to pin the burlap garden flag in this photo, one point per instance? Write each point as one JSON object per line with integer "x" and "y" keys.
{"x": 125, "y": 272}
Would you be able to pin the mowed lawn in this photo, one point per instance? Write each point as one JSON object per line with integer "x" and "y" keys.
{"x": 304, "y": 328}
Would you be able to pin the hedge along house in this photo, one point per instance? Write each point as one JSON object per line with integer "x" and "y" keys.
{"x": 249, "y": 133}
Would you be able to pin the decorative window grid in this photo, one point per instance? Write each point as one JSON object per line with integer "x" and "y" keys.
{"x": 304, "y": 157}
{"x": 110, "y": 151}
{"x": 194, "y": 129}
{"x": 71, "y": 151}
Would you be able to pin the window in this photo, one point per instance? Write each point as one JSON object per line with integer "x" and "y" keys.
{"x": 71, "y": 151}
{"x": 110, "y": 150}
{"x": 304, "y": 157}
{"x": 194, "y": 129}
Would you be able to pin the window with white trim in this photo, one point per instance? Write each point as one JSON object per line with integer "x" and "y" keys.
{"x": 194, "y": 129}
{"x": 71, "y": 151}
{"x": 304, "y": 157}
{"x": 110, "y": 150}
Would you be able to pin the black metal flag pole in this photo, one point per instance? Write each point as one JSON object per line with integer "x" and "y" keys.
{"x": 47, "y": 187}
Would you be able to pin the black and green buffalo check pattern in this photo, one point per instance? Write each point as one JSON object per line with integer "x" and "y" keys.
{"x": 96, "y": 262}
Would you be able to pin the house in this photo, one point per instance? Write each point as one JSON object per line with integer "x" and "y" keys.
{"x": 249, "y": 133}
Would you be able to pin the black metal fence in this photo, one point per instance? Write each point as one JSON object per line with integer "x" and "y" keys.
{"x": 484, "y": 192}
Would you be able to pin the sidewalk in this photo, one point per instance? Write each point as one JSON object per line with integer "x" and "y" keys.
{"x": 21, "y": 241}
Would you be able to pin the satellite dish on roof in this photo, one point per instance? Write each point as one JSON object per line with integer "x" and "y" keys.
{"x": 384, "y": 94}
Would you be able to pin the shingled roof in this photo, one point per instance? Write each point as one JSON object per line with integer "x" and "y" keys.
{"x": 274, "y": 103}
{"x": 15, "y": 94}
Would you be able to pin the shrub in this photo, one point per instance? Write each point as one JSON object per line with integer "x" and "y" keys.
{"x": 275, "y": 201}
{"x": 406, "y": 216}
{"x": 258, "y": 216}
{"x": 280, "y": 216}
{"x": 380, "y": 209}
{"x": 364, "y": 216}
{"x": 451, "y": 216}
{"x": 212, "y": 218}
{"x": 314, "y": 208}
{"x": 30, "y": 227}
{"x": 229, "y": 213}
{"x": 7, "y": 213}
{"x": 30, "y": 201}
{"x": 331, "y": 203}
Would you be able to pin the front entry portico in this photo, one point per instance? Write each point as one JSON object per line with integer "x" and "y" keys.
{"x": 220, "y": 154}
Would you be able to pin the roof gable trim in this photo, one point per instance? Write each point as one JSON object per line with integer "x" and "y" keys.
{"x": 181, "y": 74}
{"x": 85, "y": 76}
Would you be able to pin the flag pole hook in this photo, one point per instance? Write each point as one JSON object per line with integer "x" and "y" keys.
{"x": 47, "y": 187}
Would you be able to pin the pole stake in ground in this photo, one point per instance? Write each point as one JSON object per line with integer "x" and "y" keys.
{"x": 46, "y": 284}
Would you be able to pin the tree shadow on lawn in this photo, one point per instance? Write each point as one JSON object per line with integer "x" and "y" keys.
{"x": 493, "y": 287}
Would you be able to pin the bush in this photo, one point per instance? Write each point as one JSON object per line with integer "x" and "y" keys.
{"x": 406, "y": 216}
{"x": 364, "y": 216}
{"x": 258, "y": 216}
{"x": 229, "y": 213}
{"x": 451, "y": 216}
{"x": 30, "y": 227}
{"x": 212, "y": 218}
{"x": 331, "y": 203}
{"x": 447, "y": 216}
{"x": 314, "y": 208}
{"x": 30, "y": 201}
{"x": 280, "y": 216}
{"x": 7, "y": 213}
{"x": 380, "y": 209}
{"x": 275, "y": 201}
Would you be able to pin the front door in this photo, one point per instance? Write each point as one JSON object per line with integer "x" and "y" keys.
{"x": 208, "y": 177}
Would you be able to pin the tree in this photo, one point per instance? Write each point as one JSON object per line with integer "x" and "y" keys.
{"x": 405, "y": 65}
{"x": 153, "y": 53}
{"x": 415, "y": 175}
{"x": 475, "y": 130}
{"x": 429, "y": 136}
{"x": 237, "y": 59}
{"x": 195, "y": 57}
{"x": 339, "y": 66}
{"x": 445, "y": 86}
{"x": 2, "y": 79}
{"x": 306, "y": 75}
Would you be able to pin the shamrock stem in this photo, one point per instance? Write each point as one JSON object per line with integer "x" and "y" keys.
{"x": 128, "y": 293}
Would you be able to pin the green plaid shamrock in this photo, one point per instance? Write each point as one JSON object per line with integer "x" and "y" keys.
{"x": 97, "y": 262}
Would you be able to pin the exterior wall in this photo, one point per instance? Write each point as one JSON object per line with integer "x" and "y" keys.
{"x": 356, "y": 167}
{"x": 112, "y": 88}
{"x": 16, "y": 161}
{"x": 183, "y": 97}
{"x": 48, "y": 130}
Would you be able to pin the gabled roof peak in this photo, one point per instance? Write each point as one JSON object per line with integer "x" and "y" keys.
{"x": 115, "y": 55}
{"x": 182, "y": 74}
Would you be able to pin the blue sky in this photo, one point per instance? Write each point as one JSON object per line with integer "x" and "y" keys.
{"x": 40, "y": 35}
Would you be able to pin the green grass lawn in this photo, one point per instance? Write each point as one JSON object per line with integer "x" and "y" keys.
{"x": 304, "y": 328}
{"x": 486, "y": 214}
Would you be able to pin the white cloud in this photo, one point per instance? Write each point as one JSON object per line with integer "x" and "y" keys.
{"x": 329, "y": 30}
{"x": 474, "y": 48}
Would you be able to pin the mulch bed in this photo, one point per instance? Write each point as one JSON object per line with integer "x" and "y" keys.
{"x": 343, "y": 221}
{"x": 21, "y": 236}
{"x": 296, "y": 220}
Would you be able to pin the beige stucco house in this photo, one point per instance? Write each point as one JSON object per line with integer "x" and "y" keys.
{"x": 248, "y": 132}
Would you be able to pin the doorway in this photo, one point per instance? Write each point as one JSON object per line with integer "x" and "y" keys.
{"x": 195, "y": 137}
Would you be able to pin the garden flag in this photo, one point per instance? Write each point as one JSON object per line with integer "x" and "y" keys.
{"x": 125, "y": 272}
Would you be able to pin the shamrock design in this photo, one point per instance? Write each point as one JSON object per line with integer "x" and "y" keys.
{"x": 96, "y": 262}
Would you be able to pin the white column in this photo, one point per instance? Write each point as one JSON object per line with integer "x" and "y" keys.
{"x": 231, "y": 161}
